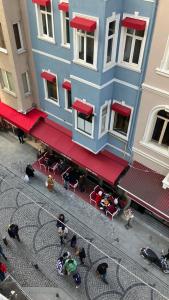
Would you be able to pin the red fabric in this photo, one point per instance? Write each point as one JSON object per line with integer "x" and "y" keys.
{"x": 66, "y": 85}
{"x": 98, "y": 199}
{"x": 121, "y": 109}
{"x": 3, "y": 267}
{"x": 83, "y": 107}
{"x": 25, "y": 122}
{"x": 63, "y": 6}
{"x": 133, "y": 23}
{"x": 105, "y": 165}
{"x": 111, "y": 208}
{"x": 153, "y": 197}
{"x": 49, "y": 77}
{"x": 83, "y": 24}
{"x": 42, "y": 2}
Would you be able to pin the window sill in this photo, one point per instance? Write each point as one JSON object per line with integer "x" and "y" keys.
{"x": 27, "y": 94}
{"x": 68, "y": 110}
{"x": 53, "y": 102}
{"x": 52, "y": 41}
{"x": 3, "y": 50}
{"x": 20, "y": 51}
{"x": 82, "y": 132}
{"x": 129, "y": 67}
{"x": 119, "y": 136}
{"x": 9, "y": 92}
{"x": 108, "y": 67}
{"x": 79, "y": 62}
{"x": 162, "y": 72}
{"x": 67, "y": 46}
{"x": 152, "y": 146}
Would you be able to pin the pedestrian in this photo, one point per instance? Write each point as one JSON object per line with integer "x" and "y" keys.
{"x": 82, "y": 255}
{"x": 82, "y": 182}
{"x": 66, "y": 255}
{"x": 20, "y": 135}
{"x": 29, "y": 171}
{"x": 63, "y": 232}
{"x": 50, "y": 183}
{"x": 60, "y": 221}
{"x": 77, "y": 279}
{"x": 129, "y": 215}
{"x": 3, "y": 270}
{"x": 73, "y": 242}
{"x": 102, "y": 271}
{"x": 13, "y": 230}
{"x": 2, "y": 253}
{"x": 70, "y": 266}
{"x": 66, "y": 180}
{"x": 59, "y": 265}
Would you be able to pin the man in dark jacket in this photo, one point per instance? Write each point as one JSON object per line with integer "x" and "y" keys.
{"x": 102, "y": 271}
{"x": 20, "y": 135}
{"x": 29, "y": 171}
{"x": 13, "y": 231}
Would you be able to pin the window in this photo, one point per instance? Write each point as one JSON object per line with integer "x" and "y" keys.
{"x": 68, "y": 99}
{"x": 84, "y": 123}
{"x": 2, "y": 41}
{"x": 104, "y": 119}
{"x": 7, "y": 81}
{"x": 161, "y": 129}
{"x": 110, "y": 42}
{"x": 52, "y": 91}
{"x": 164, "y": 67}
{"x": 18, "y": 36}
{"x": 65, "y": 29}
{"x": 45, "y": 22}
{"x": 120, "y": 120}
{"x": 25, "y": 81}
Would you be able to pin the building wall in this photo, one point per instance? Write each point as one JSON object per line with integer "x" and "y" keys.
{"x": 94, "y": 85}
{"x": 155, "y": 97}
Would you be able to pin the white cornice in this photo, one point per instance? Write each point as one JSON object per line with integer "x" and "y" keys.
{"x": 51, "y": 56}
{"x": 155, "y": 90}
{"x": 150, "y": 157}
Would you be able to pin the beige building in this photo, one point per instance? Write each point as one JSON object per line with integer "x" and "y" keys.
{"x": 151, "y": 146}
{"x": 18, "y": 84}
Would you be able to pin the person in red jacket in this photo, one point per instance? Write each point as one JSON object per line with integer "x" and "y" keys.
{"x": 99, "y": 196}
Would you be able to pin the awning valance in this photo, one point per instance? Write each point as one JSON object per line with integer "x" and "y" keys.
{"x": 133, "y": 23}
{"x": 42, "y": 2}
{"x": 83, "y": 24}
{"x": 66, "y": 85}
{"x": 63, "y": 6}
{"x": 23, "y": 121}
{"x": 49, "y": 77}
{"x": 82, "y": 107}
{"x": 121, "y": 109}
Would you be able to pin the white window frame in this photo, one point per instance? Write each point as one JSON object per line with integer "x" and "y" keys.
{"x": 39, "y": 25}
{"x": 63, "y": 27}
{"x": 165, "y": 60}
{"x": 75, "y": 43}
{"x": 20, "y": 50}
{"x": 4, "y": 88}
{"x": 93, "y": 120}
{"x": 110, "y": 64}
{"x": 107, "y": 103}
{"x": 66, "y": 97}
{"x": 151, "y": 121}
{"x": 128, "y": 65}
{"x": 46, "y": 89}
{"x": 4, "y": 50}
{"x": 115, "y": 133}
{"x": 28, "y": 84}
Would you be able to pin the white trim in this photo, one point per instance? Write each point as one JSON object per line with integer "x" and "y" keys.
{"x": 165, "y": 59}
{"x": 162, "y": 72}
{"x": 85, "y": 147}
{"x": 155, "y": 148}
{"x": 66, "y": 98}
{"x": 20, "y": 50}
{"x": 115, "y": 133}
{"x": 63, "y": 28}
{"x": 28, "y": 83}
{"x": 57, "y": 118}
{"x": 155, "y": 90}
{"x": 118, "y": 149}
{"x": 150, "y": 157}
{"x": 3, "y": 50}
{"x": 132, "y": 66}
{"x": 105, "y": 84}
{"x": 51, "y": 56}
{"x": 56, "y": 102}
{"x": 106, "y": 104}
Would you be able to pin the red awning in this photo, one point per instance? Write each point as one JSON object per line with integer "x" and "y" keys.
{"x": 66, "y": 85}
{"x": 121, "y": 109}
{"x": 144, "y": 186}
{"x": 133, "y": 23}
{"x": 83, "y": 24}
{"x": 25, "y": 122}
{"x": 83, "y": 107}
{"x": 63, "y": 6}
{"x": 42, "y": 2}
{"x": 104, "y": 165}
{"x": 48, "y": 77}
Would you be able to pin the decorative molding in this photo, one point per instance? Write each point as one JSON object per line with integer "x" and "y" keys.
{"x": 155, "y": 90}
{"x": 51, "y": 56}
{"x": 150, "y": 157}
{"x": 58, "y": 118}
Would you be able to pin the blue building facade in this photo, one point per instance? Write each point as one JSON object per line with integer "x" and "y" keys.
{"x": 90, "y": 59}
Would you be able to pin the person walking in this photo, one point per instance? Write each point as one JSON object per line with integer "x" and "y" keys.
{"x": 2, "y": 253}
{"x": 29, "y": 170}
{"x": 3, "y": 270}
{"x": 61, "y": 220}
{"x": 50, "y": 183}
{"x": 82, "y": 183}
{"x": 20, "y": 134}
{"x": 82, "y": 255}
{"x": 129, "y": 215}
{"x": 63, "y": 232}
{"x": 59, "y": 265}
{"x": 66, "y": 180}
{"x": 73, "y": 242}
{"x": 70, "y": 266}
{"x": 13, "y": 230}
{"x": 102, "y": 271}
{"x": 77, "y": 279}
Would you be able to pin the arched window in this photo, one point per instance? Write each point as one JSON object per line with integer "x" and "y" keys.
{"x": 160, "y": 133}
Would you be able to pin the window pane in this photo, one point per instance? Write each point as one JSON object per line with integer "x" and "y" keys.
{"x": 52, "y": 90}
{"x": 80, "y": 123}
{"x": 2, "y": 42}
{"x": 48, "y": 8}
{"x": 25, "y": 83}
{"x": 121, "y": 124}
{"x": 44, "y": 24}
{"x": 42, "y": 7}
{"x": 130, "y": 31}
{"x": 4, "y": 79}
{"x": 111, "y": 28}
{"x": 127, "y": 49}
{"x": 10, "y": 82}
{"x": 158, "y": 129}
{"x": 136, "y": 54}
{"x": 69, "y": 99}
{"x": 163, "y": 114}
{"x": 49, "y": 18}
{"x": 17, "y": 36}
{"x": 109, "y": 50}
{"x": 89, "y": 50}
{"x": 165, "y": 140}
{"x": 67, "y": 32}
{"x": 81, "y": 47}
{"x": 139, "y": 33}
{"x": 88, "y": 127}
